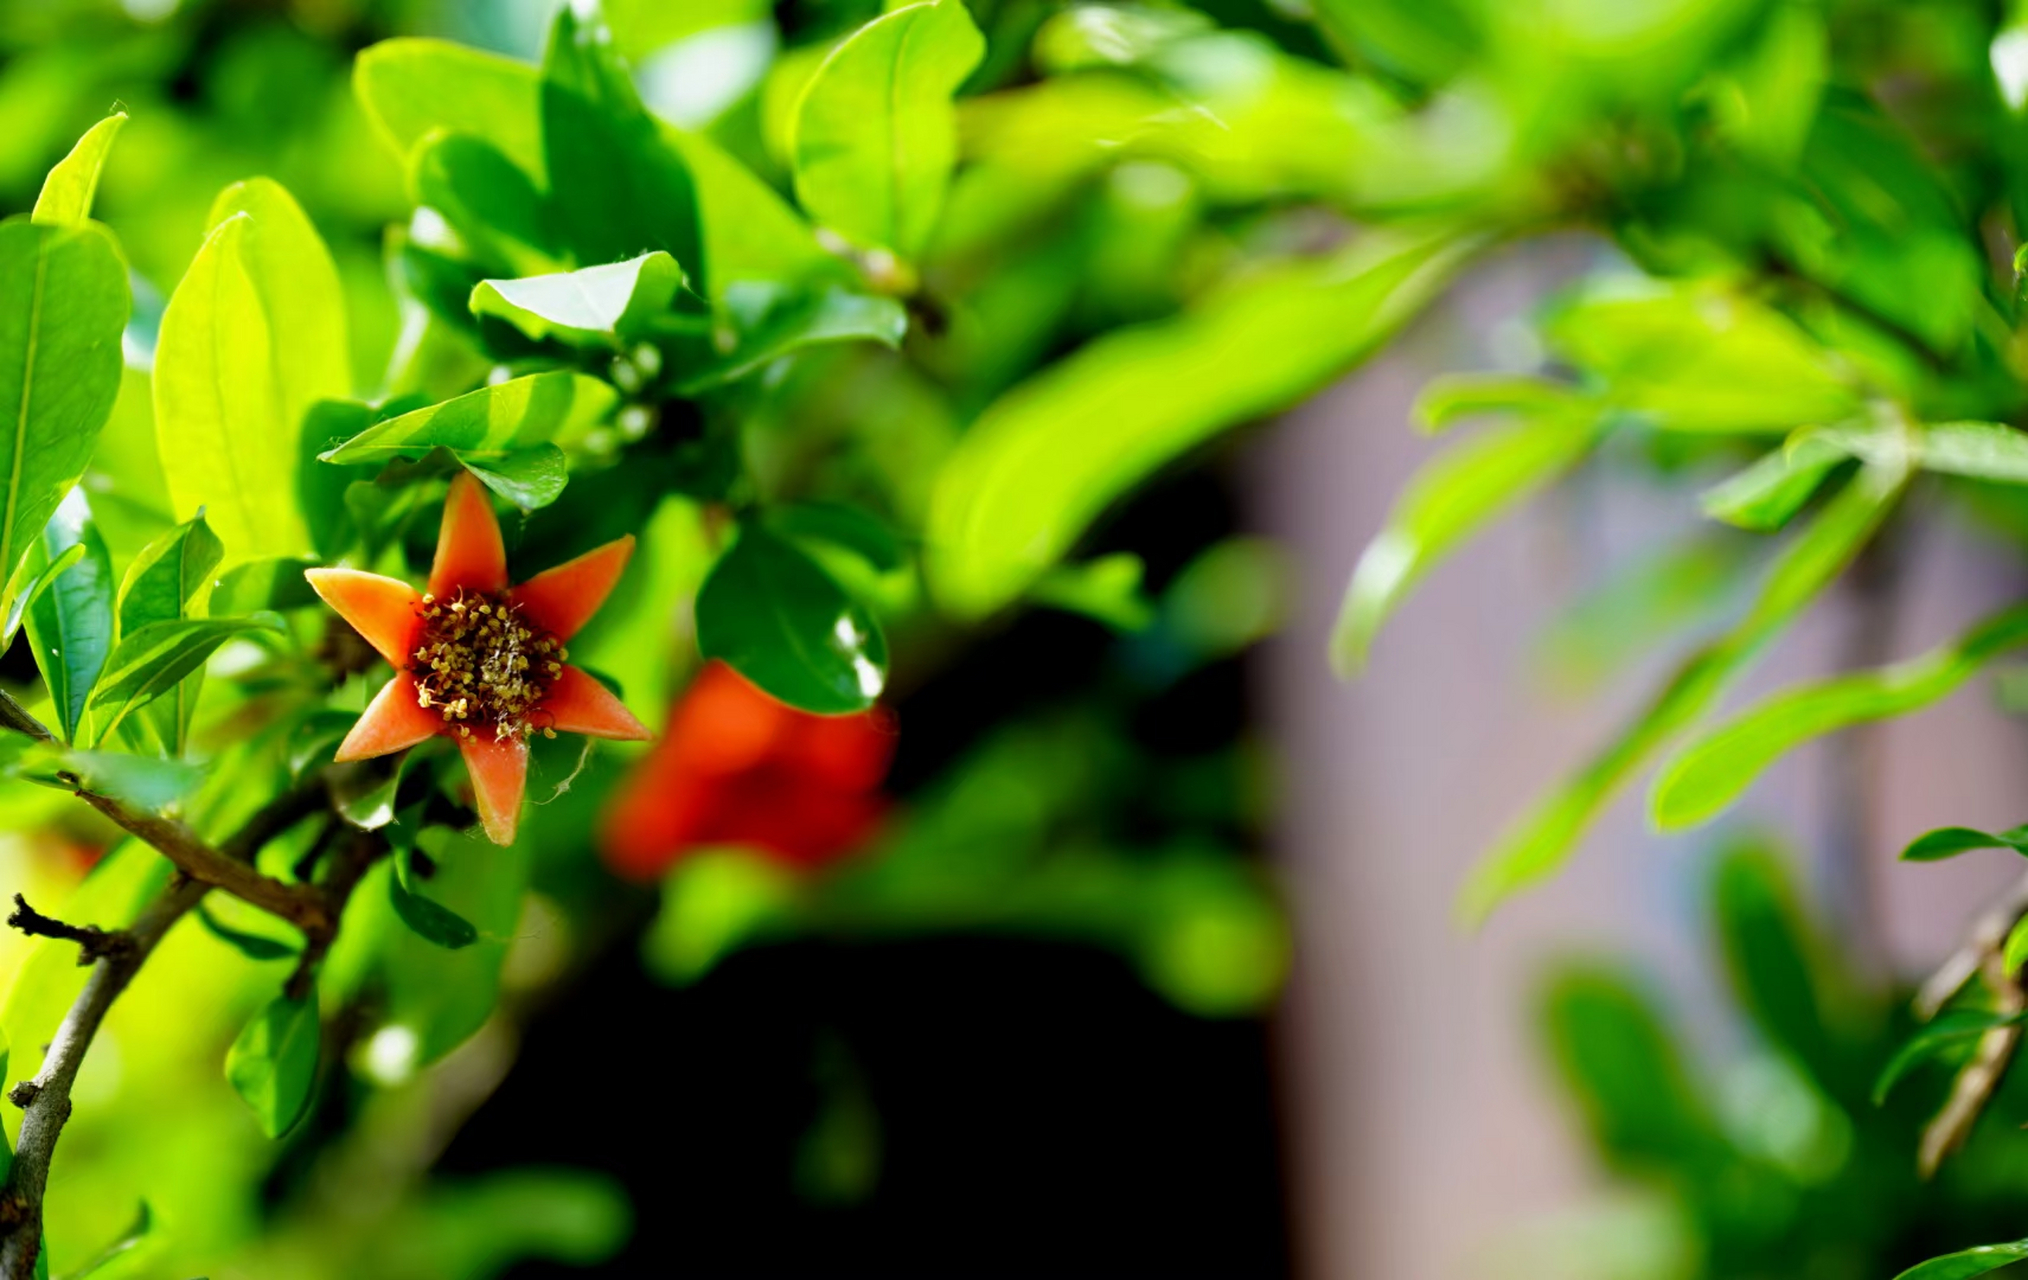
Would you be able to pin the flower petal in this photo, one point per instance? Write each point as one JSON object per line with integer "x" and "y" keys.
{"x": 392, "y": 721}
{"x": 469, "y": 551}
{"x": 499, "y": 775}
{"x": 381, "y": 609}
{"x": 563, "y": 599}
{"x": 578, "y": 703}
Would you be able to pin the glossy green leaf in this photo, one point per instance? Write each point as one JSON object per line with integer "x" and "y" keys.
{"x": 149, "y": 663}
{"x": 63, "y": 305}
{"x": 780, "y": 621}
{"x": 428, "y": 918}
{"x": 618, "y": 188}
{"x": 167, "y": 574}
{"x": 1048, "y": 457}
{"x": 1949, "y": 842}
{"x": 366, "y": 797}
{"x": 1449, "y": 499}
{"x": 591, "y": 305}
{"x": 66, "y": 196}
{"x": 1710, "y": 773}
{"x": 489, "y": 424}
{"x": 1765, "y": 495}
{"x": 412, "y": 88}
{"x": 253, "y": 946}
{"x": 70, "y": 625}
{"x": 1951, "y": 1028}
{"x": 252, "y": 338}
{"x": 1539, "y": 844}
{"x": 273, "y": 1063}
{"x": 840, "y": 524}
{"x": 35, "y": 576}
{"x": 489, "y": 200}
{"x": 528, "y": 478}
{"x": 876, "y": 134}
{"x": 1967, "y": 1263}
{"x": 773, "y": 326}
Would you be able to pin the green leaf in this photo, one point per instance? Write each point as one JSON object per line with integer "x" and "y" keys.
{"x": 66, "y": 197}
{"x": 1107, "y": 589}
{"x": 1050, "y": 455}
{"x": 1449, "y": 499}
{"x": 274, "y": 1062}
{"x": 149, "y": 663}
{"x": 1451, "y": 398}
{"x": 596, "y": 305}
{"x": 141, "y": 781}
{"x": 412, "y": 88}
{"x": 1537, "y": 846}
{"x": 1710, "y": 773}
{"x": 528, "y": 478}
{"x": 618, "y": 188}
{"x": 876, "y": 133}
{"x": 1954, "y": 1027}
{"x": 366, "y": 800}
{"x": 1967, "y": 1263}
{"x": 840, "y": 524}
{"x": 490, "y": 423}
{"x": 2015, "y": 953}
{"x": 428, "y": 918}
{"x": 253, "y": 946}
{"x": 773, "y": 325}
{"x": 1949, "y": 842}
{"x": 35, "y": 576}
{"x": 276, "y": 584}
{"x": 491, "y": 203}
{"x": 138, "y": 1233}
{"x": 1769, "y": 958}
{"x": 1618, "y": 1059}
{"x": 70, "y": 625}
{"x": 63, "y": 305}
{"x": 168, "y": 574}
{"x": 252, "y": 338}
{"x": 778, "y": 619}
{"x": 1765, "y": 495}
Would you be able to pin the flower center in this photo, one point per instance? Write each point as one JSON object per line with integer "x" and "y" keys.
{"x": 480, "y": 663}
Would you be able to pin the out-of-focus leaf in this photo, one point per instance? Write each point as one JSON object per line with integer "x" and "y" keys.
{"x": 1423, "y": 41}
{"x": 1951, "y": 1028}
{"x": 488, "y": 424}
{"x": 149, "y": 662}
{"x": 2015, "y": 953}
{"x": 274, "y": 1062}
{"x": 444, "y": 996}
{"x": 1765, "y": 495}
{"x": 430, "y": 919}
{"x": 617, "y": 187}
{"x": 1949, "y": 842}
{"x": 63, "y": 304}
{"x": 66, "y": 196}
{"x": 1451, "y": 398}
{"x": 1107, "y": 589}
{"x": 141, "y": 781}
{"x": 1446, "y": 502}
{"x": 773, "y": 327}
{"x": 1638, "y": 606}
{"x": 1967, "y": 1263}
{"x": 1539, "y": 844}
{"x": 138, "y": 1233}
{"x": 70, "y": 624}
{"x": 1711, "y": 772}
{"x": 167, "y": 574}
{"x": 876, "y": 135}
{"x": 590, "y": 305}
{"x": 252, "y": 338}
{"x": 253, "y": 946}
{"x": 713, "y": 902}
{"x": 276, "y": 584}
{"x": 781, "y": 622}
{"x": 412, "y": 88}
{"x": 1768, "y": 956}
{"x": 1050, "y": 455}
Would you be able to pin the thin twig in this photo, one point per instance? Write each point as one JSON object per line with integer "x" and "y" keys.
{"x": 1983, "y": 952}
{"x": 92, "y": 941}
{"x": 1986, "y": 937}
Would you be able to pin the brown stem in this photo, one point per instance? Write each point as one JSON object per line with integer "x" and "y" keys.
{"x": 1982, "y": 953}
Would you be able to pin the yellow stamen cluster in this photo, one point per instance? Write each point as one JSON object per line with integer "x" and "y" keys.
{"x": 479, "y": 662}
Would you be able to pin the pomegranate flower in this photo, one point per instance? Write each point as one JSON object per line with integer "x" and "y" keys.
{"x": 478, "y": 661}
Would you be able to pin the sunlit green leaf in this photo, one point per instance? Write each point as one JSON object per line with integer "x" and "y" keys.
{"x": 1948, "y": 1029}
{"x": 1451, "y": 398}
{"x": 772, "y": 326}
{"x": 781, "y": 621}
{"x": 141, "y": 781}
{"x": 140, "y": 1232}
{"x": 167, "y": 574}
{"x": 490, "y": 423}
{"x": 876, "y": 135}
{"x": 1449, "y": 499}
{"x": 1050, "y": 455}
{"x": 66, "y": 197}
{"x": 148, "y": 663}
{"x": 63, "y": 304}
{"x": 1537, "y": 846}
{"x": 1711, "y": 772}
{"x": 412, "y": 88}
{"x": 528, "y": 478}
{"x": 1949, "y": 842}
{"x": 253, "y": 946}
{"x": 1967, "y": 1263}
{"x": 593, "y": 304}
{"x": 35, "y": 576}
{"x": 430, "y": 919}
{"x": 1765, "y": 495}
{"x": 273, "y": 1063}
{"x": 70, "y": 625}
{"x": 489, "y": 200}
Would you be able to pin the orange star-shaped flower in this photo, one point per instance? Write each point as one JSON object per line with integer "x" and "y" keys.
{"x": 479, "y": 661}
